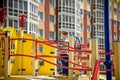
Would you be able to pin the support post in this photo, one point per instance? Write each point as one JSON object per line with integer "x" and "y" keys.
{"x": 22, "y": 21}
{"x": 71, "y": 58}
{"x": 89, "y": 60}
{"x": 89, "y": 65}
{"x": 1, "y": 69}
{"x": 108, "y": 62}
{"x": 21, "y": 52}
{"x": 7, "y": 58}
{"x": 116, "y": 59}
{"x": 35, "y": 60}
{"x": 56, "y": 60}
{"x": 77, "y": 72}
{"x": 94, "y": 48}
{"x": 0, "y": 25}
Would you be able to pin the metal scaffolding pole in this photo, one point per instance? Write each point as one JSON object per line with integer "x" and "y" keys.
{"x": 108, "y": 62}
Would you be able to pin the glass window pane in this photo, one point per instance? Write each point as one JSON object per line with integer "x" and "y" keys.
{"x": 15, "y": 4}
{"x": 20, "y": 4}
{"x": 41, "y": 1}
{"x": 25, "y": 5}
{"x": 10, "y": 3}
{"x": 52, "y": 3}
{"x": 10, "y": 22}
{"x": 40, "y": 15}
{"x": 52, "y": 18}
{"x": 15, "y": 24}
{"x": 52, "y": 36}
{"x": 40, "y": 31}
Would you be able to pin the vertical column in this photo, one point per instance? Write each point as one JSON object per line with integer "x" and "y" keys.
{"x": 56, "y": 20}
{"x": 47, "y": 19}
{"x": 1, "y": 69}
{"x": 112, "y": 22}
{"x": 22, "y": 20}
{"x": 71, "y": 57}
{"x": 77, "y": 62}
{"x": 7, "y": 58}
{"x": 89, "y": 60}
{"x": 108, "y": 62}
{"x": 94, "y": 48}
{"x": 35, "y": 60}
{"x": 21, "y": 51}
{"x": 116, "y": 59}
{"x": 85, "y": 21}
{"x": 118, "y": 21}
{"x": 56, "y": 60}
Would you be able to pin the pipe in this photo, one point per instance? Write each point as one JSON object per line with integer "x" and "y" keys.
{"x": 108, "y": 62}
{"x": 85, "y": 69}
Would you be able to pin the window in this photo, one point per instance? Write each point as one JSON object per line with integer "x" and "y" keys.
{"x": 81, "y": 0}
{"x": 63, "y": 3}
{"x": 73, "y": 3}
{"x": 59, "y": 34}
{"x": 52, "y": 18}
{"x": 15, "y": 4}
{"x": 115, "y": 23}
{"x": 66, "y": 18}
{"x": 81, "y": 39}
{"x": 52, "y": 35}
{"x": 88, "y": 2}
{"x": 115, "y": 35}
{"x": 41, "y": 48}
{"x": 20, "y": 4}
{"x": 40, "y": 15}
{"x": 12, "y": 60}
{"x": 81, "y": 11}
{"x": 115, "y": 11}
{"x": 88, "y": 15}
{"x": 10, "y": 4}
{"x": 69, "y": 18}
{"x": 78, "y": 21}
{"x": 10, "y": 22}
{"x": 73, "y": 19}
{"x": 66, "y": 2}
{"x": 59, "y": 2}
{"x": 25, "y": 28}
{"x": 41, "y": 1}
{"x": 25, "y": 5}
{"x": 40, "y": 31}
{"x": 63, "y": 18}
{"x": 5, "y": 3}
{"x": 30, "y": 7}
{"x": 52, "y": 3}
{"x": 12, "y": 45}
{"x": 88, "y": 28}
{"x": 81, "y": 26}
{"x": 102, "y": 66}
{"x": 59, "y": 17}
{"x": 15, "y": 24}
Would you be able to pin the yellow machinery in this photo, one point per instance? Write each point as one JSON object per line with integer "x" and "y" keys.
{"x": 21, "y": 65}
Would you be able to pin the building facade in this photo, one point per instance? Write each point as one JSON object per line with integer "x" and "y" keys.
{"x": 48, "y": 18}
{"x": 16, "y": 7}
{"x": 40, "y": 16}
{"x": 69, "y": 17}
{"x": 98, "y": 25}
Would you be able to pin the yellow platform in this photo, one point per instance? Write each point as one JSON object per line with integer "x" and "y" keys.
{"x": 24, "y": 65}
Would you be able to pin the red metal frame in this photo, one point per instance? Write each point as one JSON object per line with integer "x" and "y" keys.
{"x": 84, "y": 69}
{"x": 70, "y": 47}
{"x": 96, "y": 69}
